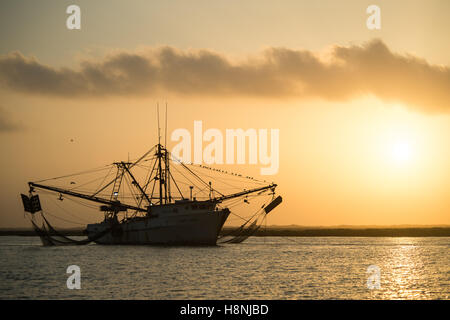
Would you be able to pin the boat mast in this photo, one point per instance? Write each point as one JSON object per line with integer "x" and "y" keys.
{"x": 158, "y": 154}
{"x": 167, "y": 163}
{"x": 163, "y": 170}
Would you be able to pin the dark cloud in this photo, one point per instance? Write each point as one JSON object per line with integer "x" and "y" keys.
{"x": 370, "y": 69}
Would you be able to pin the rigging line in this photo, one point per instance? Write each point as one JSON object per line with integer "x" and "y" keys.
{"x": 201, "y": 180}
{"x": 54, "y": 216}
{"x": 153, "y": 188}
{"x": 236, "y": 204}
{"x": 107, "y": 175}
{"x": 145, "y": 191}
{"x": 82, "y": 203}
{"x": 233, "y": 201}
{"x": 135, "y": 195}
{"x": 232, "y": 205}
{"x": 154, "y": 178}
{"x": 239, "y": 228}
{"x": 131, "y": 166}
{"x": 73, "y": 215}
{"x": 236, "y": 180}
{"x": 229, "y": 173}
{"x": 148, "y": 178}
{"x": 193, "y": 173}
{"x": 192, "y": 183}
{"x": 45, "y": 192}
{"x": 68, "y": 197}
{"x": 213, "y": 178}
{"x": 147, "y": 168}
{"x": 202, "y": 190}
{"x": 125, "y": 184}
{"x": 239, "y": 199}
{"x": 142, "y": 157}
{"x": 153, "y": 157}
{"x": 242, "y": 179}
{"x": 189, "y": 181}
{"x": 147, "y": 156}
{"x": 257, "y": 211}
{"x": 134, "y": 160}
{"x": 181, "y": 194}
{"x": 103, "y": 188}
{"x": 248, "y": 216}
{"x": 82, "y": 191}
{"x": 235, "y": 214}
{"x": 86, "y": 183}
{"x": 235, "y": 177}
{"x": 77, "y": 174}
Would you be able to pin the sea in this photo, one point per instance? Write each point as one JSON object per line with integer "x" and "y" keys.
{"x": 288, "y": 268}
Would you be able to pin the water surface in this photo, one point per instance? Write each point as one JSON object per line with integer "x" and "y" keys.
{"x": 260, "y": 268}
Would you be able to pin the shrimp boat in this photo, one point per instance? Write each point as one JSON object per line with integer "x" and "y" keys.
{"x": 159, "y": 210}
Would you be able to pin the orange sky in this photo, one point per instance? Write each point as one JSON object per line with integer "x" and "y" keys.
{"x": 364, "y": 115}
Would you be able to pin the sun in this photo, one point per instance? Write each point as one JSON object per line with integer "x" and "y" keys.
{"x": 401, "y": 152}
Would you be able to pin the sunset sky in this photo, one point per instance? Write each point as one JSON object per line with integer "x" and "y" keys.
{"x": 364, "y": 115}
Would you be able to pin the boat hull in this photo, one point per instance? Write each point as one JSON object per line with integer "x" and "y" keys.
{"x": 190, "y": 228}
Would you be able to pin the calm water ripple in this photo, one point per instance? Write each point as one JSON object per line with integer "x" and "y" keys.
{"x": 261, "y": 268}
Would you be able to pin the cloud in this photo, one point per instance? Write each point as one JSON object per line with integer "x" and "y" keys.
{"x": 350, "y": 72}
{"x": 6, "y": 125}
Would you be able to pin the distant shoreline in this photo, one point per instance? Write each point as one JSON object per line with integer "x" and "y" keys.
{"x": 274, "y": 231}
{"x": 353, "y": 232}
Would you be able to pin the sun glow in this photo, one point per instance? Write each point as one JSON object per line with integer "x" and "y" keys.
{"x": 401, "y": 152}
{"x": 403, "y": 139}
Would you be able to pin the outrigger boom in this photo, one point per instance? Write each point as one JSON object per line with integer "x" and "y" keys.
{"x": 122, "y": 207}
{"x": 114, "y": 204}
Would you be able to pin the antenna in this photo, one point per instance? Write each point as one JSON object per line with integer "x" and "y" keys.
{"x": 166, "y": 158}
{"x": 165, "y": 135}
{"x": 159, "y": 128}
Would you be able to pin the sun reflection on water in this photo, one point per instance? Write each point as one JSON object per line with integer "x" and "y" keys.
{"x": 402, "y": 269}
